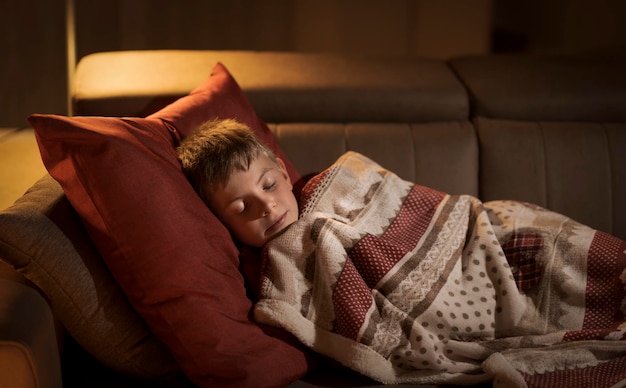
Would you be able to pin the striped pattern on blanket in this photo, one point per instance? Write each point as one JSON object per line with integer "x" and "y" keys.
{"x": 406, "y": 284}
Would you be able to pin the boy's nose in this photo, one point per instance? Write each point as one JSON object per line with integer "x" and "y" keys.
{"x": 267, "y": 205}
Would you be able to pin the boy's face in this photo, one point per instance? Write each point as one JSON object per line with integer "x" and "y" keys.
{"x": 257, "y": 203}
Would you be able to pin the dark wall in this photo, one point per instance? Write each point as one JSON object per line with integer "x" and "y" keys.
{"x": 32, "y": 59}
{"x": 560, "y": 26}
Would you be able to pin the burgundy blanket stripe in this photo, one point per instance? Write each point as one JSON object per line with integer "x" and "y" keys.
{"x": 352, "y": 299}
{"x": 401, "y": 237}
{"x": 521, "y": 252}
{"x": 605, "y": 291}
{"x": 373, "y": 257}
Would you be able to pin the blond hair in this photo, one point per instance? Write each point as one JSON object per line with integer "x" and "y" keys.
{"x": 217, "y": 149}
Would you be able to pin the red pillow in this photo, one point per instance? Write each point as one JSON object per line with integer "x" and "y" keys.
{"x": 174, "y": 260}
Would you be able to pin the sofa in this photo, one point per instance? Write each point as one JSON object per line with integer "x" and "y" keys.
{"x": 110, "y": 273}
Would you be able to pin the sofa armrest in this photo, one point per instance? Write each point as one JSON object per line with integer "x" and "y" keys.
{"x": 29, "y": 355}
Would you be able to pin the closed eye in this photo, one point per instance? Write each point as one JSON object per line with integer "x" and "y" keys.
{"x": 240, "y": 207}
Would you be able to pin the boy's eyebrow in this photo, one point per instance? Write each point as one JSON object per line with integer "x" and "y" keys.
{"x": 265, "y": 171}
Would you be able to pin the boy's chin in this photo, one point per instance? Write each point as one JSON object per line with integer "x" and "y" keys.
{"x": 277, "y": 234}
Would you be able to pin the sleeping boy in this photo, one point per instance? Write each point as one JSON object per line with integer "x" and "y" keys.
{"x": 406, "y": 284}
{"x": 245, "y": 185}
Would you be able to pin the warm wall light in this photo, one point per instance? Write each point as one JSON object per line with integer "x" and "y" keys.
{"x": 70, "y": 42}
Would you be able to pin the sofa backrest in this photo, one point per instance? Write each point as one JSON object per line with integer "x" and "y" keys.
{"x": 410, "y": 115}
{"x": 552, "y": 131}
{"x": 547, "y": 130}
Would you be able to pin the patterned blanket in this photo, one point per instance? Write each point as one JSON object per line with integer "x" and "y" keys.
{"x": 406, "y": 284}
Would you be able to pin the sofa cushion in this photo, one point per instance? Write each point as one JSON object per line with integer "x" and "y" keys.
{"x": 542, "y": 88}
{"x": 176, "y": 263}
{"x": 441, "y": 155}
{"x": 281, "y": 86}
{"x": 42, "y": 237}
{"x": 574, "y": 168}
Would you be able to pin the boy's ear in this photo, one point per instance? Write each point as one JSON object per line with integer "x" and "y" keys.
{"x": 283, "y": 168}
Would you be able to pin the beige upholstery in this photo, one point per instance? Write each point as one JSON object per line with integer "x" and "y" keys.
{"x": 552, "y": 131}
{"x": 564, "y": 166}
{"x": 29, "y": 355}
{"x": 545, "y": 88}
{"x": 281, "y": 86}
{"x": 442, "y": 155}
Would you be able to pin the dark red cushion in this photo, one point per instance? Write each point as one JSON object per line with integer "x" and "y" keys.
{"x": 174, "y": 260}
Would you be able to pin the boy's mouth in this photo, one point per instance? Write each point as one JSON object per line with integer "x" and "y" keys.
{"x": 277, "y": 224}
